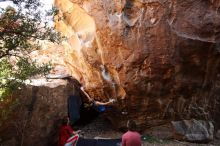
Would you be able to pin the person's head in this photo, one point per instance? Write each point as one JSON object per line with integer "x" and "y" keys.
{"x": 65, "y": 121}
{"x": 131, "y": 125}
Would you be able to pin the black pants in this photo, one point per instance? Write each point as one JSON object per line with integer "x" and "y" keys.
{"x": 98, "y": 142}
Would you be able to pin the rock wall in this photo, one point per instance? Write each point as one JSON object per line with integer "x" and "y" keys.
{"x": 36, "y": 116}
{"x": 158, "y": 58}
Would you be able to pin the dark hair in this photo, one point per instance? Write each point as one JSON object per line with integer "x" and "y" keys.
{"x": 131, "y": 125}
{"x": 65, "y": 120}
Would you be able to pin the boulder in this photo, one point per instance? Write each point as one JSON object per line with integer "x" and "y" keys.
{"x": 36, "y": 114}
{"x": 11, "y": 142}
{"x": 162, "y": 131}
{"x": 193, "y": 130}
{"x": 217, "y": 135}
{"x": 160, "y": 59}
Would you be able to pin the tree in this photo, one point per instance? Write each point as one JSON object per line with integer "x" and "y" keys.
{"x": 21, "y": 30}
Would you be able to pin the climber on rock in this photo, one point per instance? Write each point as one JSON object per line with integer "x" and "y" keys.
{"x": 99, "y": 106}
{"x": 67, "y": 137}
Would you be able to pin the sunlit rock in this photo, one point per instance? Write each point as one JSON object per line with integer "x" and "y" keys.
{"x": 159, "y": 59}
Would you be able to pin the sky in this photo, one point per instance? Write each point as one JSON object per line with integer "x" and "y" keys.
{"x": 4, "y": 4}
{"x": 47, "y": 4}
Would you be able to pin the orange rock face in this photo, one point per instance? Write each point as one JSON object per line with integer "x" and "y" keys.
{"x": 158, "y": 58}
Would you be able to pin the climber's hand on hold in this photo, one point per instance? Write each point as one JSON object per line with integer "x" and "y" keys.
{"x": 112, "y": 100}
{"x": 123, "y": 97}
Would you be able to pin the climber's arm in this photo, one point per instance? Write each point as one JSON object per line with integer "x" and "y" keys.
{"x": 101, "y": 103}
{"x": 105, "y": 103}
{"x": 87, "y": 95}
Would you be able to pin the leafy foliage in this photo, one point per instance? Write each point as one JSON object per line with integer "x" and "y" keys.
{"x": 11, "y": 77}
{"x": 21, "y": 31}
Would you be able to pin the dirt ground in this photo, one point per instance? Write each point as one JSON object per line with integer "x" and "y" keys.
{"x": 101, "y": 128}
